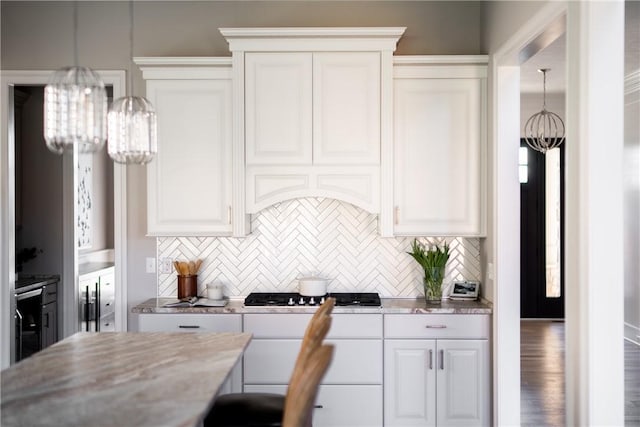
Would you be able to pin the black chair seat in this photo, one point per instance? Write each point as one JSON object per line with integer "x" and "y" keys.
{"x": 246, "y": 410}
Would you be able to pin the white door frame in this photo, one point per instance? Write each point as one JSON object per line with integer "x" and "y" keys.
{"x": 594, "y": 364}
{"x": 9, "y": 79}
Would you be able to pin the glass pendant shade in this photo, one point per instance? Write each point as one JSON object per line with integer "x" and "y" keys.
{"x": 75, "y": 110}
{"x": 132, "y": 130}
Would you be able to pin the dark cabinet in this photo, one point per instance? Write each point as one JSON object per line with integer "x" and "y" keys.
{"x": 36, "y": 315}
{"x": 97, "y": 300}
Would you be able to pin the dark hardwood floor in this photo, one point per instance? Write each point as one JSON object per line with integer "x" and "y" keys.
{"x": 542, "y": 375}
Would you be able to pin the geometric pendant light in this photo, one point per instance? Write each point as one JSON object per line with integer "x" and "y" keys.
{"x": 132, "y": 122}
{"x": 75, "y": 107}
{"x": 544, "y": 130}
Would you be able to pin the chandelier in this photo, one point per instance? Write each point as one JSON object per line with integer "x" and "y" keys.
{"x": 75, "y": 106}
{"x": 132, "y": 122}
{"x": 544, "y": 131}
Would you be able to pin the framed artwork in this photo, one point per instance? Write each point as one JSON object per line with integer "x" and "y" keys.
{"x": 85, "y": 200}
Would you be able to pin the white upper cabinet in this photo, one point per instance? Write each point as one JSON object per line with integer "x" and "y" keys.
{"x": 346, "y": 108}
{"x": 439, "y": 155}
{"x": 313, "y": 111}
{"x": 189, "y": 181}
{"x": 278, "y": 115}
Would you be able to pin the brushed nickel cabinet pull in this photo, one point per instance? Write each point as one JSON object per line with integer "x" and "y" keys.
{"x": 319, "y": 406}
{"x": 442, "y": 359}
{"x": 189, "y": 327}
{"x": 436, "y": 326}
{"x": 430, "y": 359}
{"x": 395, "y": 215}
{"x": 229, "y": 215}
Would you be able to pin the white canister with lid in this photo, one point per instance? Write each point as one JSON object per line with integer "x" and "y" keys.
{"x": 215, "y": 291}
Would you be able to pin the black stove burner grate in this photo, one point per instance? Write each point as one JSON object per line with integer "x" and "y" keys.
{"x": 362, "y": 299}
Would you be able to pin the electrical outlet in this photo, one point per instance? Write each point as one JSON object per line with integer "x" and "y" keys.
{"x": 166, "y": 265}
{"x": 151, "y": 265}
{"x": 490, "y": 271}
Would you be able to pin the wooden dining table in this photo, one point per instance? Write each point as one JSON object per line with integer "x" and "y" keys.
{"x": 120, "y": 379}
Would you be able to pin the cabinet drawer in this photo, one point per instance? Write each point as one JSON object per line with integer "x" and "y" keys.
{"x": 340, "y": 405}
{"x": 108, "y": 323}
{"x": 107, "y": 286}
{"x": 437, "y": 326}
{"x": 294, "y": 325}
{"x": 354, "y": 362}
{"x": 107, "y": 305}
{"x": 49, "y": 293}
{"x": 190, "y": 322}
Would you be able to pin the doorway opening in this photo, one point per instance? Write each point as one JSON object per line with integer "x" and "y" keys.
{"x": 541, "y": 230}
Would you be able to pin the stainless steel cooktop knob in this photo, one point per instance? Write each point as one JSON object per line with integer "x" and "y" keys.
{"x": 301, "y": 302}
{"x": 312, "y": 301}
{"x": 291, "y": 302}
{"x": 322, "y": 300}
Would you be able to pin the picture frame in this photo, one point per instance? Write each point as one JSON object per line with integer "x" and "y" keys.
{"x": 467, "y": 290}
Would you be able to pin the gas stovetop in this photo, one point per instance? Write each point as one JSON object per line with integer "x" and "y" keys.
{"x": 356, "y": 299}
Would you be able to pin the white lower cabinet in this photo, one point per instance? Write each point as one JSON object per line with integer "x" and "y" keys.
{"x": 437, "y": 381}
{"x": 339, "y": 405}
{"x": 198, "y": 323}
{"x": 351, "y": 391}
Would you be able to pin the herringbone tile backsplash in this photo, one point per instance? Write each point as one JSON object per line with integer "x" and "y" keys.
{"x": 333, "y": 239}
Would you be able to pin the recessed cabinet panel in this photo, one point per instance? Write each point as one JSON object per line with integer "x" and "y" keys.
{"x": 410, "y": 386}
{"x": 437, "y": 147}
{"x": 463, "y": 379}
{"x": 346, "y": 108}
{"x": 278, "y": 108}
{"x": 339, "y": 405}
{"x": 190, "y": 180}
{"x": 271, "y": 361}
{"x": 267, "y": 185}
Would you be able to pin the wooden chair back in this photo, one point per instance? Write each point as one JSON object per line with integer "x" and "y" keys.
{"x": 316, "y": 331}
{"x": 303, "y": 388}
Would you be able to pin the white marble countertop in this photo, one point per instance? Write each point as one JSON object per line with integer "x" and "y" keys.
{"x": 389, "y": 306}
{"x": 120, "y": 379}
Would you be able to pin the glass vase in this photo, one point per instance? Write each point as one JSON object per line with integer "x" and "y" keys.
{"x": 433, "y": 278}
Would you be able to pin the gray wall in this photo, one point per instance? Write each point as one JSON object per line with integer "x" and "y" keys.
{"x": 39, "y": 35}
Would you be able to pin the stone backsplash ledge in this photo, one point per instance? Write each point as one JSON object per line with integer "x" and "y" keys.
{"x": 327, "y": 237}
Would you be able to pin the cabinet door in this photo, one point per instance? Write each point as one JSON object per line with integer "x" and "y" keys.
{"x": 346, "y": 108}
{"x": 463, "y": 383}
{"x": 437, "y": 156}
{"x": 49, "y": 332}
{"x": 189, "y": 181}
{"x": 339, "y": 405}
{"x": 410, "y": 383}
{"x": 278, "y": 108}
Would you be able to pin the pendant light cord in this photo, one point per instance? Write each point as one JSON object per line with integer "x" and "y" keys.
{"x": 75, "y": 34}
{"x": 130, "y": 47}
{"x": 544, "y": 88}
